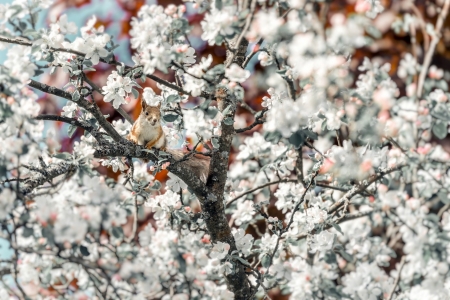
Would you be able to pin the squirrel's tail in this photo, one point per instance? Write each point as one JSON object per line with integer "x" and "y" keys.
{"x": 199, "y": 164}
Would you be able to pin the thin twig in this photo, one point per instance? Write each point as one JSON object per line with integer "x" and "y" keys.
{"x": 113, "y": 62}
{"x": 297, "y": 206}
{"x": 362, "y": 187}
{"x": 434, "y": 41}
{"x": 345, "y": 218}
{"x": 397, "y": 280}
{"x": 248, "y": 21}
{"x": 90, "y": 107}
{"x": 258, "y": 188}
{"x": 258, "y": 120}
{"x": 135, "y": 221}
{"x": 443, "y": 210}
{"x": 337, "y": 138}
{"x": 416, "y": 11}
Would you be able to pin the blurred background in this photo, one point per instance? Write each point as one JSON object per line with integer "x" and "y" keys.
{"x": 390, "y": 45}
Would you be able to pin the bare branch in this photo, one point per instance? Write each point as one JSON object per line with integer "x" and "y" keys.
{"x": 259, "y": 120}
{"x": 93, "y": 109}
{"x": 362, "y": 187}
{"x": 52, "y": 172}
{"x": 397, "y": 279}
{"x": 258, "y": 188}
{"x": 237, "y": 46}
{"x": 347, "y": 217}
{"x": 125, "y": 148}
{"x": 434, "y": 41}
{"x": 67, "y": 120}
{"x": 297, "y": 206}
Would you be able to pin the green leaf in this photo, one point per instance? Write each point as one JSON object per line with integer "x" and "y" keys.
{"x": 226, "y": 110}
{"x": 211, "y": 112}
{"x": 443, "y": 196}
{"x": 63, "y": 155}
{"x": 87, "y": 63}
{"x": 22, "y": 25}
{"x": 170, "y": 117}
{"x": 443, "y": 236}
{"x": 135, "y": 93}
{"x": 440, "y": 129}
{"x": 156, "y": 186}
{"x": 84, "y": 250}
{"x": 173, "y": 98}
{"x": 272, "y": 136}
{"x": 27, "y": 232}
{"x": 24, "y": 217}
{"x": 228, "y": 121}
{"x": 215, "y": 143}
{"x": 297, "y": 139}
{"x": 344, "y": 254}
{"x": 266, "y": 261}
{"x": 71, "y": 130}
{"x": 218, "y": 4}
{"x": 338, "y": 228}
{"x": 117, "y": 232}
{"x": 243, "y": 261}
{"x": 330, "y": 257}
{"x": 440, "y": 111}
{"x": 76, "y": 95}
{"x": 442, "y": 84}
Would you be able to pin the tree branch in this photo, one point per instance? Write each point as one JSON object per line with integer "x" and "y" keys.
{"x": 360, "y": 188}
{"x": 258, "y": 188}
{"x": 125, "y": 148}
{"x": 297, "y": 206}
{"x": 434, "y": 41}
{"x": 67, "y": 120}
{"x": 93, "y": 109}
{"x": 238, "y": 48}
{"x": 347, "y": 217}
{"x": 259, "y": 120}
{"x": 153, "y": 77}
{"x": 51, "y": 172}
{"x": 397, "y": 279}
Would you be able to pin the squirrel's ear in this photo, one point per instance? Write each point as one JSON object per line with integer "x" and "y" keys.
{"x": 159, "y": 105}
{"x": 144, "y": 104}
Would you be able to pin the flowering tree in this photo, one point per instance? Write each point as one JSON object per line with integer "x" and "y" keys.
{"x": 336, "y": 188}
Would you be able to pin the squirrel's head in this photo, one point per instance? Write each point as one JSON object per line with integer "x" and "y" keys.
{"x": 151, "y": 114}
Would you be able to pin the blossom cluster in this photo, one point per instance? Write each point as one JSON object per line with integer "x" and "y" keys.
{"x": 336, "y": 190}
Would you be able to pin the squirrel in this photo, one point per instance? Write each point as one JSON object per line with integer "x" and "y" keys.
{"x": 147, "y": 131}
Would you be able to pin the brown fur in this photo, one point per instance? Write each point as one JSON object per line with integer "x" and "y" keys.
{"x": 199, "y": 164}
{"x": 147, "y": 130}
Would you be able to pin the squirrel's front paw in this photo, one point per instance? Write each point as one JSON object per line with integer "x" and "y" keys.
{"x": 132, "y": 139}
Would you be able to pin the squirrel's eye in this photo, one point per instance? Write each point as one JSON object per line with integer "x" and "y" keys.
{"x": 146, "y": 114}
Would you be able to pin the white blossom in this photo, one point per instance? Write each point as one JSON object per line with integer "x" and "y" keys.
{"x": 150, "y": 97}
{"x": 243, "y": 213}
{"x": 322, "y": 241}
{"x": 220, "y": 250}
{"x": 70, "y": 109}
{"x": 117, "y": 88}
{"x": 243, "y": 241}
{"x": 6, "y": 203}
{"x": 236, "y": 73}
{"x": 175, "y": 183}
